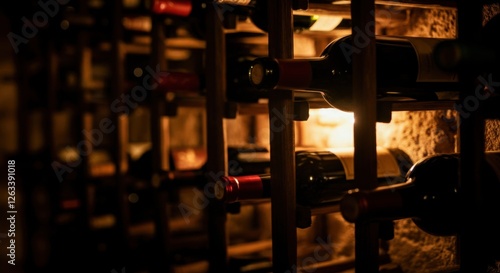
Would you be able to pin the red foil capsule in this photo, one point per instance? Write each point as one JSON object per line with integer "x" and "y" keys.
{"x": 179, "y": 81}
{"x": 172, "y": 7}
{"x": 231, "y": 189}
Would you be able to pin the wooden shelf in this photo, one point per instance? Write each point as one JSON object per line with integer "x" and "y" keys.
{"x": 143, "y": 45}
{"x": 215, "y": 60}
{"x": 248, "y": 248}
{"x": 423, "y": 105}
{"x": 382, "y": 9}
{"x": 428, "y": 4}
{"x": 304, "y": 213}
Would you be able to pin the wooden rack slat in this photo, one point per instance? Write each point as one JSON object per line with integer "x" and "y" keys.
{"x": 52, "y": 61}
{"x": 281, "y": 103}
{"x": 471, "y": 239}
{"x": 410, "y": 3}
{"x": 216, "y": 136}
{"x": 160, "y": 147}
{"x": 365, "y": 155}
{"x": 120, "y": 141}
{"x": 83, "y": 118}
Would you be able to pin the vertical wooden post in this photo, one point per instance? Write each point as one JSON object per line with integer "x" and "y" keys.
{"x": 216, "y": 136}
{"x": 52, "y": 86}
{"x": 365, "y": 156}
{"x": 283, "y": 189}
{"x": 160, "y": 149}
{"x": 120, "y": 134}
{"x": 471, "y": 238}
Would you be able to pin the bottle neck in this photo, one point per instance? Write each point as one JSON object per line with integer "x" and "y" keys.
{"x": 178, "y": 81}
{"x": 175, "y": 179}
{"x": 384, "y": 203}
{"x": 294, "y": 74}
{"x": 429, "y": 196}
{"x": 182, "y": 8}
{"x": 232, "y": 189}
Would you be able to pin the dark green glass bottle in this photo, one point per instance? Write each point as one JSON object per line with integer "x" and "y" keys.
{"x": 322, "y": 177}
{"x": 405, "y": 70}
{"x": 430, "y": 195}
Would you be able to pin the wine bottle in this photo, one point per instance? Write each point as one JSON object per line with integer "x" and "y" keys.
{"x": 181, "y": 8}
{"x": 180, "y": 81}
{"x": 149, "y": 7}
{"x": 238, "y": 89}
{"x": 429, "y": 196}
{"x": 405, "y": 71}
{"x": 322, "y": 177}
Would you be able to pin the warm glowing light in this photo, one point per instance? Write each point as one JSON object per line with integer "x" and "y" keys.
{"x": 325, "y": 22}
{"x": 329, "y": 127}
{"x": 136, "y": 149}
{"x": 68, "y": 154}
{"x": 140, "y": 23}
{"x": 332, "y": 116}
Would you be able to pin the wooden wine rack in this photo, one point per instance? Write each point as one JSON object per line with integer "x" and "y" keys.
{"x": 285, "y": 213}
{"x": 216, "y": 137}
{"x": 282, "y": 144}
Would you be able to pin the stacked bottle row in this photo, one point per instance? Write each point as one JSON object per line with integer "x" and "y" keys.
{"x": 426, "y": 191}
{"x": 409, "y": 72}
